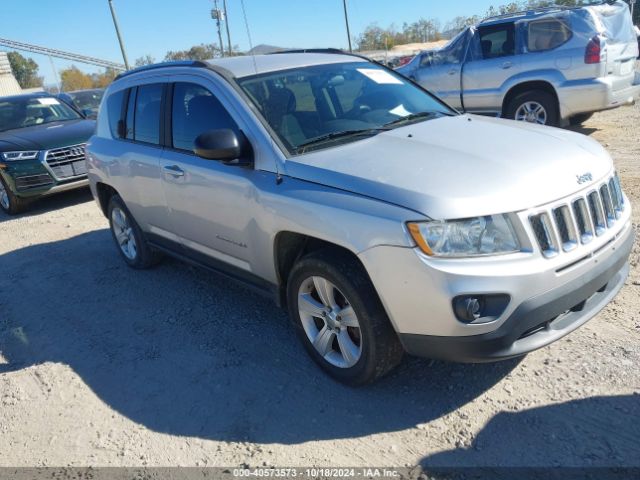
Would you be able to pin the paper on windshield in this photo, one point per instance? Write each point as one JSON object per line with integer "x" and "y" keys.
{"x": 48, "y": 101}
{"x": 380, "y": 76}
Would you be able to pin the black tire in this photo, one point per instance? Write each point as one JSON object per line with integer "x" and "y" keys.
{"x": 16, "y": 204}
{"x": 381, "y": 350}
{"x": 580, "y": 119}
{"x": 546, "y": 99}
{"x": 145, "y": 256}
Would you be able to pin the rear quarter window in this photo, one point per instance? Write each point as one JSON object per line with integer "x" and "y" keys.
{"x": 114, "y": 110}
{"x": 547, "y": 34}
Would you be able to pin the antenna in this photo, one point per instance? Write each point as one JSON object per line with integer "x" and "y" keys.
{"x": 246, "y": 24}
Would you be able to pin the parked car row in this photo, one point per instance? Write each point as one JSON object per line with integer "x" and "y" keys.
{"x": 551, "y": 66}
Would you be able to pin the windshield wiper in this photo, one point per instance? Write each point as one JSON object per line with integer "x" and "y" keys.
{"x": 412, "y": 117}
{"x": 337, "y": 135}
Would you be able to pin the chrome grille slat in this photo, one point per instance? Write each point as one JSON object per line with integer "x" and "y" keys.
{"x": 597, "y": 213}
{"x": 565, "y": 226}
{"x": 607, "y": 204}
{"x": 67, "y": 162}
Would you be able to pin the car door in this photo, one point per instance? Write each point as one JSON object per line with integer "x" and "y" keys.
{"x": 494, "y": 57}
{"x": 211, "y": 204}
{"x": 439, "y": 71}
{"x": 136, "y": 173}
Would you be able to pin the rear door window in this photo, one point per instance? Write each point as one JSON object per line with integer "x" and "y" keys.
{"x": 547, "y": 34}
{"x": 498, "y": 40}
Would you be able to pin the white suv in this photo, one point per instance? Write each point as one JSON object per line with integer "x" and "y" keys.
{"x": 383, "y": 220}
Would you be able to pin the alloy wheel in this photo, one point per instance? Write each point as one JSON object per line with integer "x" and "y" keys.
{"x": 124, "y": 233}
{"x": 330, "y": 322}
{"x": 4, "y": 197}
{"x": 532, "y": 112}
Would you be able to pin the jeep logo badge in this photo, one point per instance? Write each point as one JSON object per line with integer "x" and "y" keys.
{"x": 587, "y": 177}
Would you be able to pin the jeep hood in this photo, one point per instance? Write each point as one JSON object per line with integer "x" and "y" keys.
{"x": 458, "y": 167}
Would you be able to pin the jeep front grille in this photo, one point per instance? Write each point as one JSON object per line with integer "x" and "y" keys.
{"x": 67, "y": 162}
{"x": 564, "y": 227}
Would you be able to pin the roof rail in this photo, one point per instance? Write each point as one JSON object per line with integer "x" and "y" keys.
{"x": 155, "y": 66}
{"x": 312, "y": 50}
{"x": 547, "y": 9}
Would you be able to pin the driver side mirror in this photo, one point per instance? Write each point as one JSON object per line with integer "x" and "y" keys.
{"x": 222, "y": 145}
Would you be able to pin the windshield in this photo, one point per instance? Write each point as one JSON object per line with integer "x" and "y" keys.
{"x": 315, "y": 107}
{"x": 87, "y": 100}
{"x": 29, "y": 111}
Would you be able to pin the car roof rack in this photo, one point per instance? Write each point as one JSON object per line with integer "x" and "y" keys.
{"x": 155, "y": 66}
{"x": 336, "y": 51}
{"x": 547, "y": 9}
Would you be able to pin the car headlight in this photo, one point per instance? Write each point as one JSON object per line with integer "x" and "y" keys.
{"x": 21, "y": 155}
{"x": 490, "y": 235}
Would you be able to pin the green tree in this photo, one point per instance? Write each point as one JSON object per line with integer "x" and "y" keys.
{"x": 204, "y": 51}
{"x": 145, "y": 60}
{"x": 102, "y": 80}
{"x": 25, "y": 70}
{"x": 73, "y": 79}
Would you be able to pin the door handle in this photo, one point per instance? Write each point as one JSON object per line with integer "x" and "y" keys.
{"x": 507, "y": 65}
{"x": 173, "y": 170}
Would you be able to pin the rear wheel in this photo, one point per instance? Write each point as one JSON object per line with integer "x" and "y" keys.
{"x": 10, "y": 203}
{"x": 535, "y": 106}
{"x": 129, "y": 238}
{"x": 580, "y": 118}
{"x": 340, "y": 319}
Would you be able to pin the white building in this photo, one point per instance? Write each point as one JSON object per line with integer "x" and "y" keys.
{"x": 8, "y": 83}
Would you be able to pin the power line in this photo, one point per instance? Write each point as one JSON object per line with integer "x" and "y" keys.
{"x": 27, "y": 47}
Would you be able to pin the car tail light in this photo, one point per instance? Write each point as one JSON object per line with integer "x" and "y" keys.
{"x": 594, "y": 51}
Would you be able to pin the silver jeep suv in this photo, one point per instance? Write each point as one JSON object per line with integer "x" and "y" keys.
{"x": 383, "y": 220}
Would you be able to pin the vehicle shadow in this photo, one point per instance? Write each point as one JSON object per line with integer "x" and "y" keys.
{"x": 596, "y": 432}
{"x": 588, "y": 131}
{"x": 50, "y": 203}
{"x": 185, "y": 352}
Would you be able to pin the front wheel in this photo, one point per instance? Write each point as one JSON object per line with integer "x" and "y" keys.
{"x": 340, "y": 318}
{"x": 535, "y": 106}
{"x": 10, "y": 203}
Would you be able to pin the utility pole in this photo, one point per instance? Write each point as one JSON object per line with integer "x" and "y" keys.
{"x": 226, "y": 23}
{"x": 115, "y": 24}
{"x": 346, "y": 21}
{"x": 217, "y": 14}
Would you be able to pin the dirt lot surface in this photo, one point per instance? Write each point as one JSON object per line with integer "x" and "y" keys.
{"x": 102, "y": 365}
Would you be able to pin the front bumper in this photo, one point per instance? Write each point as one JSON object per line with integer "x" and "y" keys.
{"x": 548, "y": 298}
{"x": 33, "y": 178}
{"x": 537, "y": 322}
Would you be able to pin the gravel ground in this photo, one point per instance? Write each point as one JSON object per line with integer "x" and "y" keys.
{"x": 102, "y": 365}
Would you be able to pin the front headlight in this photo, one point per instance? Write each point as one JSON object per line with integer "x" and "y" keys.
{"x": 21, "y": 155}
{"x": 488, "y": 235}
